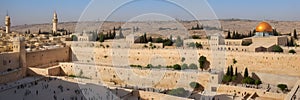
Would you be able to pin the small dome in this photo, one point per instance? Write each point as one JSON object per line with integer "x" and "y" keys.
{"x": 264, "y": 27}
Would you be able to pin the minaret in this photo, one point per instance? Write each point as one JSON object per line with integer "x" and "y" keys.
{"x": 7, "y": 23}
{"x": 54, "y": 23}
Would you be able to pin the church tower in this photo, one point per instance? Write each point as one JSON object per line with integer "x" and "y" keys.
{"x": 54, "y": 23}
{"x": 7, "y": 23}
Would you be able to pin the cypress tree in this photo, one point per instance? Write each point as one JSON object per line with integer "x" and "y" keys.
{"x": 228, "y": 72}
{"x": 228, "y": 35}
{"x": 235, "y": 71}
{"x": 246, "y": 73}
{"x": 295, "y": 34}
{"x": 231, "y": 71}
{"x": 39, "y": 31}
{"x": 150, "y": 39}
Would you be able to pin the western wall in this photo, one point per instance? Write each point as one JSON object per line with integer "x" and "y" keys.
{"x": 284, "y": 68}
{"x": 145, "y": 78}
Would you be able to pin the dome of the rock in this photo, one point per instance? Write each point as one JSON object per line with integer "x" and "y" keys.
{"x": 264, "y": 27}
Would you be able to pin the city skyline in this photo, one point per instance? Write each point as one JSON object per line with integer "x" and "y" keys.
{"x": 36, "y": 11}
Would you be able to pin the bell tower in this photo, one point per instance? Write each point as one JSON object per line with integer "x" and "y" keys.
{"x": 54, "y": 23}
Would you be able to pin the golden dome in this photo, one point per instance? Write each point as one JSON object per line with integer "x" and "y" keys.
{"x": 264, "y": 27}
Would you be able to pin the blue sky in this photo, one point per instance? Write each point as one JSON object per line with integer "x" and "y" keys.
{"x": 41, "y": 11}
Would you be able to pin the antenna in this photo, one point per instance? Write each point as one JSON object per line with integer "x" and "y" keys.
{"x": 6, "y": 12}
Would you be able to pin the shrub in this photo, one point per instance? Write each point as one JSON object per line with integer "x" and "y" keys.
{"x": 181, "y": 92}
{"x": 226, "y": 78}
{"x": 139, "y": 66}
{"x": 233, "y": 78}
{"x": 292, "y": 51}
{"x": 177, "y": 67}
{"x": 282, "y": 87}
{"x": 193, "y": 66}
{"x": 246, "y": 43}
{"x": 72, "y": 76}
{"x": 248, "y": 80}
{"x": 277, "y": 48}
{"x": 202, "y": 61}
{"x": 257, "y": 82}
{"x": 184, "y": 66}
{"x": 194, "y": 85}
{"x": 149, "y": 66}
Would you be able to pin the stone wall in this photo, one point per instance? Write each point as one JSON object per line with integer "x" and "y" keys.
{"x": 13, "y": 75}
{"x": 158, "y": 96}
{"x": 9, "y": 61}
{"x": 286, "y": 65}
{"x": 45, "y": 57}
{"x": 156, "y": 78}
{"x": 52, "y": 71}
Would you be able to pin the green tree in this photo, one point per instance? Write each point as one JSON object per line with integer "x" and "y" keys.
{"x": 275, "y": 33}
{"x": 39, "y": 31}
{"x": 101, "y": 37}
{"x": 228, "y": 35}
{"x": 159, "y": 40}
{"x": 226, "y": 78}
{"x": 257, "y": 82}
{"x": 179, "y": 42}
{"x": 231, "y": 70}
{"x": 74, "y": 38}
{"x": 114, "y": 33}
{"x": 246, "y": 73}
{"x": 184, "y": 66}
{"x": 292, "y": 51}
{"x": 277, "y": 48}
{"x": 248, "y": 80}
{"x": 149, "y": 66}
{"x": 193, "y": 66}
{"x": 177, "y": 67}
{"x": 145, "y": 38}
{"x": 150, "y": 39}
{"x": 182, "y": 59}
{"x": 167, "y": 42}
{"x": 234, "y": 61}
{"x": 199, "y": 45}
{"x": 295, "y": 34}
{"x": 228, "y": 71}
{"x": 194, "y": 85}
{"x": 202, "y": 61}
{"x": 282, "y": 87}
{"x": 193, "y": 45}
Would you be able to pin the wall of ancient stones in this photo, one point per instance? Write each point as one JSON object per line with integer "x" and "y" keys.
{"x": 46, "y": 57}
{"x": 146, "y": 78}
{"x": 9, "y": 61}
{"x": 286, "y": 65}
